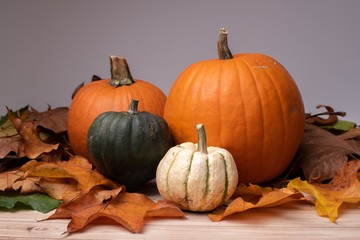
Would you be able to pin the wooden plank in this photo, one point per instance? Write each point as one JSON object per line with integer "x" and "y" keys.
{"x": 295, "y": 221}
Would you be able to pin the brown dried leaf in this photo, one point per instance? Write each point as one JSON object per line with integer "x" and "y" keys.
{"x": 320, "y": 121}
{"x": 76, "y": 90}
{"x": 13, "y": 180}
{"x": 353, "y": 133}
{"x": 352, "y": 137}
{"x": 11, "y": 144}
{"x": 33, "y": 146}
{"x": 52, "y": 119}
{"x": 322, "y": 153}
{"x": 7, "y": 179}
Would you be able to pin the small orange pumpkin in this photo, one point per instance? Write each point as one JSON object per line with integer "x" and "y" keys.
{"x": 250, "y": 105}
{"x": 113, "y": 94}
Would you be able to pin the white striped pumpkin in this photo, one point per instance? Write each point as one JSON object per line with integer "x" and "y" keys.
{"x": 196, "y": 177}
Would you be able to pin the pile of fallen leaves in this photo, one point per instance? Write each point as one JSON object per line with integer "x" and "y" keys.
{"x": 38, "y": 168}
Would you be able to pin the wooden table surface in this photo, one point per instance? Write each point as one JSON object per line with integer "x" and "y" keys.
{"x": 291, "y": 221}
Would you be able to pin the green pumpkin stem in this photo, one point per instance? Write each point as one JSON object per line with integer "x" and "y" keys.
{"x": 202, "y": 145}
{"x": 120, "y": 72}
{"x": 133, "y": 108}
{"x": 224, "y": 52}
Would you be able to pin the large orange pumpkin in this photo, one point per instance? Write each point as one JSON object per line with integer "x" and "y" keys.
{"x": 114, "y": 94}
{"x": 250, "y": 105}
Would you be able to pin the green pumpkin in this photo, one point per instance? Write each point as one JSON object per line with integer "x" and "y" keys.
{"x": 128, "y": 146}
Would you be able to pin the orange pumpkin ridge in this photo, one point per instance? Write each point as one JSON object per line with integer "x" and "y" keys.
{"x": 250, "y": 105}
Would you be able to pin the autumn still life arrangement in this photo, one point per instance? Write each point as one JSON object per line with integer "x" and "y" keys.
{"x": 231, "y": 135}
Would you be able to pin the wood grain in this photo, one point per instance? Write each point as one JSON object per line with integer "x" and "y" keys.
{"x": 291, "y": 221}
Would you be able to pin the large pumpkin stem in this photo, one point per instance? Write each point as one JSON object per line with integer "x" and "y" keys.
{"x": 133, "y": 108}
{"x": 120, "y": 72}
{"x": 222, "y": 46}
{"x": 202, "y": 145}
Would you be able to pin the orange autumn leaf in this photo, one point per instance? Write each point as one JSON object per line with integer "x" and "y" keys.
{"x": 59, "y": 188}
{"x": 7, "y": 179}
{"x": 76, "y": 168}
{"x": 343, "y": 188}
{"x": 61, "y": 180}
{"x": 164, "y": 208}
{"x": 254, "y": 196}
{"x": 127, "y": 209}
{"x": 11, "y": 144}
{"x": 30, "y": 141}
{"x": 13, "y": 180}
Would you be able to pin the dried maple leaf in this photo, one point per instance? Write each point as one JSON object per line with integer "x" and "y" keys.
{"x": 29, "y": 134}
{"x": 127, "y": 209}
{"x": 11, "y": 144}
{"x": 52, "y": 119}
{"x": 7, "y": 179}
{"x": 254, "y": 196}
{"x": 343, "y": 188}
{"x": 10, "y": 140}
{"x": 33, "y": 145}
{"x": 13, "y": 180}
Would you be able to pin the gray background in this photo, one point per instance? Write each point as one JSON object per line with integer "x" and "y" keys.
{"x": 49, "y": 47}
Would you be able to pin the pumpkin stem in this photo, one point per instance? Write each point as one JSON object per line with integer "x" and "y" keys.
{"x": 224, "y": 52}
{"x": 202, "y": 145}
{"x": 120, "y": 72}
{"x": 133, "y": 108}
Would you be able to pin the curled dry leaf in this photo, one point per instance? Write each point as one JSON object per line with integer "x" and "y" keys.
{"x": 343, "y": 188}
{"x": 93, "y": 79}
{"x": 254, "y": 196}
{"x": 320, "y": 121}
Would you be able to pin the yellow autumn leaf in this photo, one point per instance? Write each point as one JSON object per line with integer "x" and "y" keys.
{"x": 343, "y": 188}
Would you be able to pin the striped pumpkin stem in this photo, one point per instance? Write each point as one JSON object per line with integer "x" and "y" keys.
{"x": 202, "y": 145}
